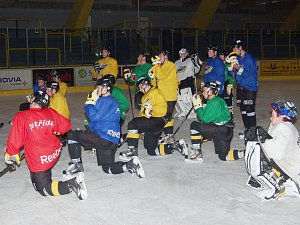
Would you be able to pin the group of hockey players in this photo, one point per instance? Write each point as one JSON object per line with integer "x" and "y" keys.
{"x": 162, "y": 89}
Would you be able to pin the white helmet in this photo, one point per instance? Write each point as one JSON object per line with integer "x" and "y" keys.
{"x": 183, "y": 53}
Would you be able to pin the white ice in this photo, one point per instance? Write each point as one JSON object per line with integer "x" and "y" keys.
{"x": 173, "y": 192}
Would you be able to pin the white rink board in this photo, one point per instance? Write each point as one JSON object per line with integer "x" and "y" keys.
{"x": 15, "y": 79}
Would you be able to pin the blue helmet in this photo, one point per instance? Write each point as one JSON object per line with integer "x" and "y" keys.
{"x": 285, "y": 109}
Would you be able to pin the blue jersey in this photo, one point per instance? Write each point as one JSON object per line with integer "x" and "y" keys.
{"x": 215, "y": 72}
{"x": 36, "y": 88}
{"x": 246, "y": 76}
{"x": 105, "y": 118}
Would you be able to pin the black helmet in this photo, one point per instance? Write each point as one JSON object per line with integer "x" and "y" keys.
{"x": 105, "y": 82}
{"x": 147, "y": 56}
{"x": 41, "y": 98}
{"x": 54, "y": 73}
{"x": 111, "y": 78}
{"x": 42, "y": 77}
{"x": 107, "y": 48}
{"x": 53, "y": 85}
{"x": 213, "y": 86}
{"x": 143, "y": 80}
{"x": 238, "y": 43}
{"x": 223, "y": 52}
{"x": 165, "y": 53}
{"x": 213, "y": 47}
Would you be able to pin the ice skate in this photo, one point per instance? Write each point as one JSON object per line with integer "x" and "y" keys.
{"x": 77, "y": 185}
{"x": 195, "y": 156}
{"x": 181, "y": 147}
{"x": 128, "y": 154}
{"x": 168, "y": 139}
{"x": 72, "y": 170}
{"x": 134, "y": 166}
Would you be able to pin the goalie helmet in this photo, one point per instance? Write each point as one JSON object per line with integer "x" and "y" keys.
{"x": 41, "y": 98}
{"x": 105, "y": 82}
{"x": 215, "y": 48}
{"x": 111, "y": 78}
{"x": 285, "y": 109}
{"x": 212, "y": 86}
{"x": 183, "y": 53}
{"x": 54, "y": 73}
{"x": 143, "y": 80}
{"x": 53, "y": 85}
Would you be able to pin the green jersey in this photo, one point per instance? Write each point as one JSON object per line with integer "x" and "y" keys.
{"x": 140, "y": 71}
{"x": 122, "y": 101}
{"x": 216, "y": 111}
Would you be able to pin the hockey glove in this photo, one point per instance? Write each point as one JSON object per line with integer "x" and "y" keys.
{"x": 12, "y": 159}
{"x": 229, "y": 89}
{"x": 262, "y": 134}
{"x": 98, "y": 67}
{"x": 197, "y": 102}
{"x": 196, "y": 60}
{"x": 148, "y": 109}
{"x": 151, "y": 74}
{"x": 92, "y": 97}
{"x": 127, "y": 74}
{"x": 30, "y": 98}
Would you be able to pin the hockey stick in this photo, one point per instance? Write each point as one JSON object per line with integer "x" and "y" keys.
{"x": 11, "y": 167}
{"x": 181, "y": 123}
{"x": 130, "y": 98}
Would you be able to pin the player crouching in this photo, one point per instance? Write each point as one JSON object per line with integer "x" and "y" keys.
{"x": 214, "y": 124}
{"x": 103, "y": 135}
{"x": 272, "y": 158}
{"x": 36, "y": 130}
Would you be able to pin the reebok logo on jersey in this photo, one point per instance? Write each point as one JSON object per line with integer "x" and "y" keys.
{"x": 51, "y": 157}
{"x": 113, "y": 133}
{"x": 40, "y": 124}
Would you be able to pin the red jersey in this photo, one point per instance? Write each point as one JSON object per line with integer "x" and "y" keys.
{"x": 34, "y": 129}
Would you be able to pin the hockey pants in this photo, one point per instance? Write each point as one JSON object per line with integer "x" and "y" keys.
{"x": 247, "y": 106}
{"x": 221, "y": 136}
{"x": 152, "y": 127}
{"x": 105, "y": 150}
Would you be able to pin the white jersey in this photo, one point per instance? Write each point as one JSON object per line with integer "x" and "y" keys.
{"x": 283, "y": 148}
{"x": 185, "y": 69}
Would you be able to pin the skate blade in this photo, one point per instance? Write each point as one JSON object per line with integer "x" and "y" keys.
{"x": 83, "y": 191}
{"x": 198, "y": 160}
{"x": 125, "y": 158}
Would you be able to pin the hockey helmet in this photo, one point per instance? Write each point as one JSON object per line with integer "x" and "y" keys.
{"x": 111, "y": 78}
{"x": 238, "y": 43}
{"x": 285, "y": 109}
{"x": 212, "y": 86}
{"x": 105, "y": 82}
{"x": 54, "y": 73}
{"x": 223, "y": 52}
{"x": 143, "y": 80}
{"x": 53, "y": 85}
{"x": 215, "y": 48}
{"x": 107, "y": 48}
{"x": 165, "y": 53}
{"x": 183, "y": 53}
{"x": 41, "y": 98}
{"x": 42, "y": 77}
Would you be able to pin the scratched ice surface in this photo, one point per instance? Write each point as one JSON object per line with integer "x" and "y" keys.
{"x": 173, "y": 192}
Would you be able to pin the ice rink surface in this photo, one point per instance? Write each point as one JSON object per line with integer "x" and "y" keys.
{"x": 173, "y": 192}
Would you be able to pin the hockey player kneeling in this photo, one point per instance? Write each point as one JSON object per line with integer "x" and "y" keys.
{"x": 103, "y": 135}
{"x": 214, "y": 124}
{"x": 151, "y": 121}
{"x": 272, "y": 158}
{"x": 36, "y": 129}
